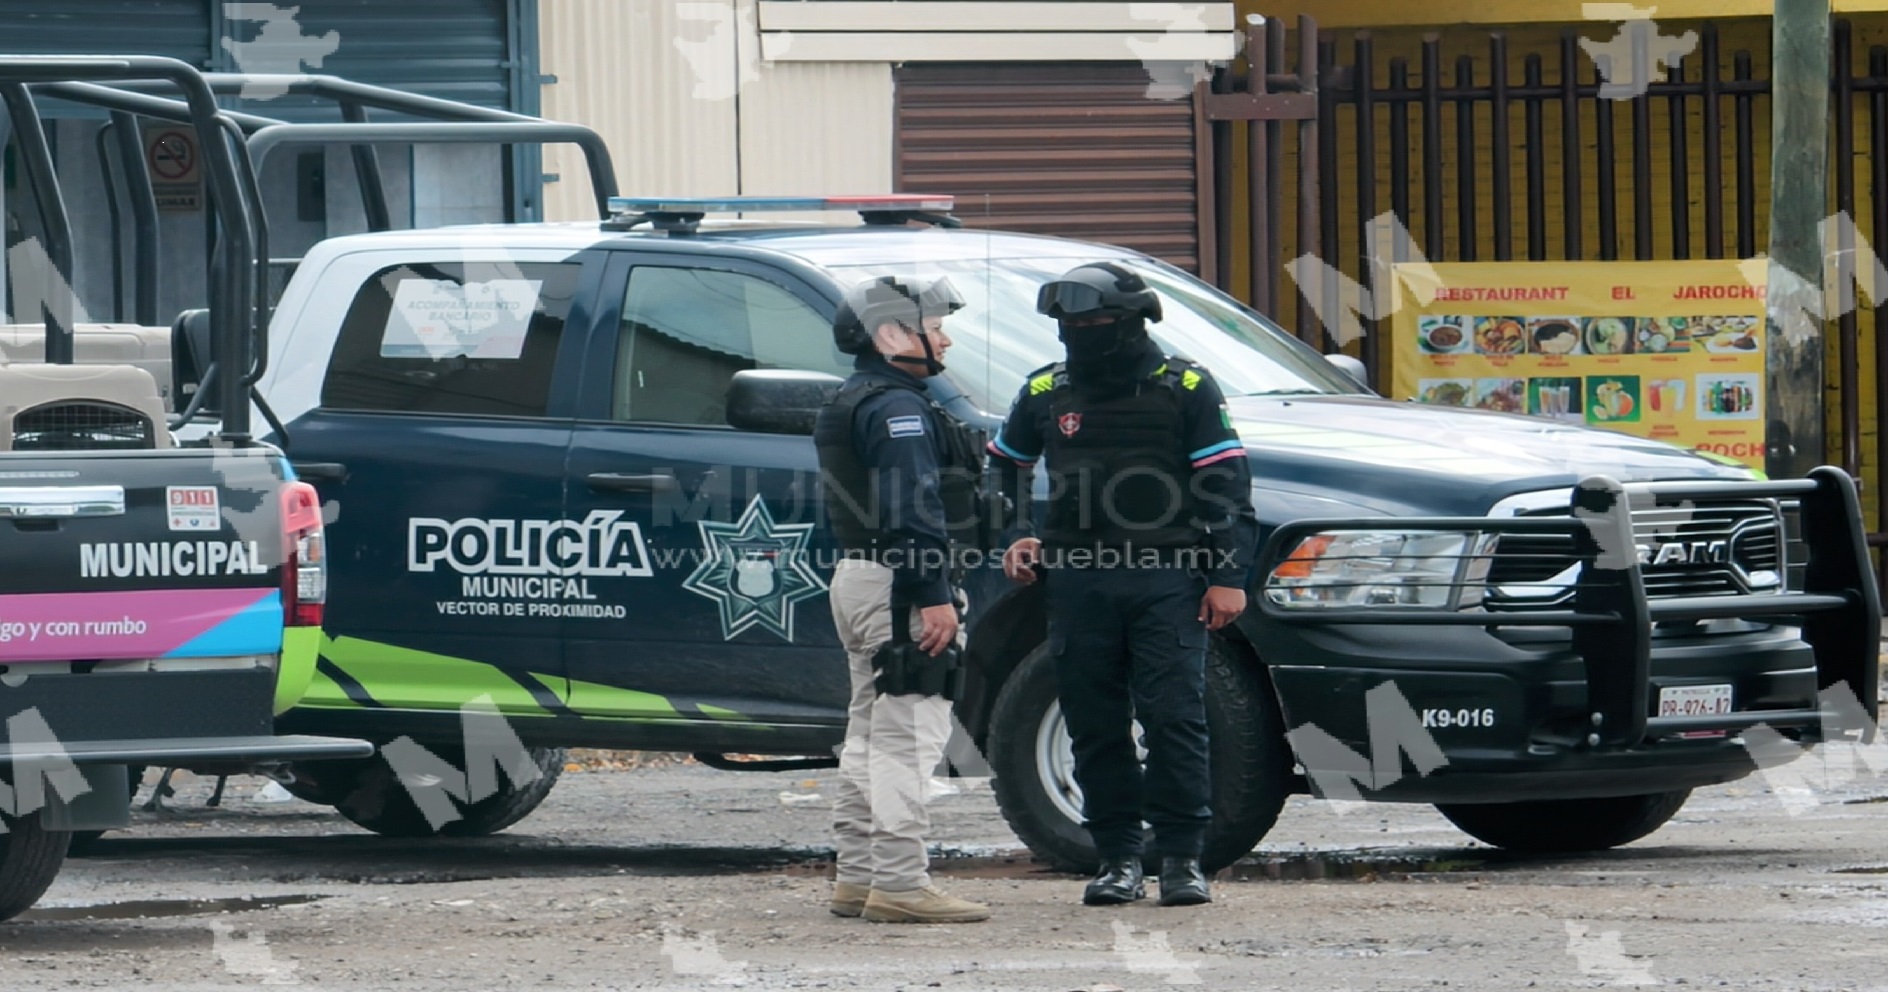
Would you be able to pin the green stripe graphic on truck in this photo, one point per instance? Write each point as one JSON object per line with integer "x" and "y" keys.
{"x": 420, "y": 679}
{"x": 362, "y": 673}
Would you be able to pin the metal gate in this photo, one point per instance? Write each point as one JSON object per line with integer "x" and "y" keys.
{"x": 1491, "y": 145}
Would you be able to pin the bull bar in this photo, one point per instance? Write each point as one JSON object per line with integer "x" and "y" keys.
{"x": 1611, "y": 618}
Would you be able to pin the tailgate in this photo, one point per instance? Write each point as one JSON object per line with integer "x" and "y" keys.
{"x": 137, "y": 555}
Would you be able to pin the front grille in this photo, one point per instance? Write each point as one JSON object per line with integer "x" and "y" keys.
{"x": 1684, "y": 550}
{"x": 82, "y": 426}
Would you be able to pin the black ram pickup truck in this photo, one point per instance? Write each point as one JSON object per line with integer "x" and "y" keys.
{"x": 599, "y": 516}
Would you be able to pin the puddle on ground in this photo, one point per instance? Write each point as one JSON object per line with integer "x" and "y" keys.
{"x": 139, "y": 909}
{"x": 1863, "y": 870}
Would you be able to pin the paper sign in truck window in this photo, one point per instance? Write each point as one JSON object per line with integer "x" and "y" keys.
{"x": 440, "y": 318}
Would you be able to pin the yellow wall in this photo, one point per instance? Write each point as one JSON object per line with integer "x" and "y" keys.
{"x": 1398, "y": 13}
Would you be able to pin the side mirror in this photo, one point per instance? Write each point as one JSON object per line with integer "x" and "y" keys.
{"x": 1351, "y": 367}
{"x": 189, "y": 359}
{"x": 778, "y": 401}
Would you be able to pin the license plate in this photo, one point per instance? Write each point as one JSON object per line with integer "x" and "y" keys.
{"x": 1695, "y": 700}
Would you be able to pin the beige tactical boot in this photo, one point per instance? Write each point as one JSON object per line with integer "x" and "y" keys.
{"x": 926, "y": 905}
{"x": 849, "y": 898}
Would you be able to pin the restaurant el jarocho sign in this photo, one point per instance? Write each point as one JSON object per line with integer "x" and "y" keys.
{"x": 1671, "y": 351}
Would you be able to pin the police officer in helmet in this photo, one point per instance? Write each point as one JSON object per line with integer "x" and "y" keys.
{"x": 1148, "y": 538}
{"x": 900, "y": 481}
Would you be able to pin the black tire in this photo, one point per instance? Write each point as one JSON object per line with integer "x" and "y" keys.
{"x": 84, "y": 840}
{"x": 375, "y": 798}
{"x": 324, "y": 783}
{"x": 30, "y": 856}
{"x": 1566, "y": 824}
{"x": 1251, "y": 765}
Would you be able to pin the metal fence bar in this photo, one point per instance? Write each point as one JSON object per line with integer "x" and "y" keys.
{"x": 1498, "y": 145}
{"x": 1466, "y": 228}
{"x": 1364, "y": 86}
{"x": 1680, "y": 157}
{"x": 1713, "y": 145}
{"x": 1572, "y": 189}
{"x": 1536, "y": 165}
{"x": 1848, "y": 328}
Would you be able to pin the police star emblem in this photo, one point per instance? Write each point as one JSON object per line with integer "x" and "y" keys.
{"x": 1069, "y": 423}
{"x": 755, "y": 570}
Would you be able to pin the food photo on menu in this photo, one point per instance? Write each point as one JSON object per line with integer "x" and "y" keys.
{"x": 1610, "y": 335}
{"x": 1553, "y": 336}
{"x": 1445, "y": 335}
{"x": 1664, "y": 335}
{"x": 1501, "y": 335}
{"x": 1445, "y": 392}
{"x": 1613, "y": 399}
{"x": 1501, "y": 395}
{"x": 1728, "y": 396}
{"x": 1728, "y": 335}
{"x": 1556, "y": 398}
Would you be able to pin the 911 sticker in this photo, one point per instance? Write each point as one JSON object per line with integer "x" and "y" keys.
{"x": 1446, "y": 718}
{"x": 193, "y": 508}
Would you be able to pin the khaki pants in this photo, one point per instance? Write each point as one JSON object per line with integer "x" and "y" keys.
{"x": 893, "y": 744}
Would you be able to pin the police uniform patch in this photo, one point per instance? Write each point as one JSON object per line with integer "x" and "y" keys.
{"x": 905, "y": 426}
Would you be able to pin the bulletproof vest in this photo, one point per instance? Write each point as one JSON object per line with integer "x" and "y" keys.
{"x": 853, "y": 502}
{"x": 1118, "y": 468}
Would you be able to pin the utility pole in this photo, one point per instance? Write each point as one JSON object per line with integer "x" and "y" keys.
{"x": 1799, "y": 170}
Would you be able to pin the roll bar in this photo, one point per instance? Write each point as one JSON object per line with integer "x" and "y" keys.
{"x": 236, "y": 144}
{"x": 231, "y": 297}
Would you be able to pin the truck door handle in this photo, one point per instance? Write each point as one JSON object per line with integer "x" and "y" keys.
{"x": 325, "y": 471}
{"x": 661, "y": 482}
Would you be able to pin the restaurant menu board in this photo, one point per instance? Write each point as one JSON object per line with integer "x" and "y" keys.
{"x": 1672, "y": 351}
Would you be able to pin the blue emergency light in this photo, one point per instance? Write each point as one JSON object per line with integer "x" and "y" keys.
{"x": 682, "y": 214}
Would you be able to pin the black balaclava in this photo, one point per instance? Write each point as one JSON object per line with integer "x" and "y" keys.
{"x": 1102, "y": 358}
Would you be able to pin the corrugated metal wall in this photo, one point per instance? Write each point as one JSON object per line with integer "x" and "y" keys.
{"x": 454, "y": 49}
{"x": 689, "y": 109}
{"x": 1072, "y": 149}
{"x": 86, "y": 27}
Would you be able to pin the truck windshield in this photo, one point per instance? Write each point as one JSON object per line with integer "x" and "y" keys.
{"x": 998, "y": 338}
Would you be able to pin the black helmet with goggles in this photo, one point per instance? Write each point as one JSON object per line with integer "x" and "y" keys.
{"x": 1098, "y": 289}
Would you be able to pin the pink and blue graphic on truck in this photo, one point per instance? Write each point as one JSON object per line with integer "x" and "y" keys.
{"x": 166, "y": 623}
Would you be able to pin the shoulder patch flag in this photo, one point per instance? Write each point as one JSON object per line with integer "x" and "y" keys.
{"x": 906, "y": 426}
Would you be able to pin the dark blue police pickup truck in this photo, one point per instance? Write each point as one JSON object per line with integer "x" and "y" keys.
{"x": 575, "y": 486}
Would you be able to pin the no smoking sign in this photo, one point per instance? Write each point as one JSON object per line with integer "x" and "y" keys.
{"x": 174, "y": 161}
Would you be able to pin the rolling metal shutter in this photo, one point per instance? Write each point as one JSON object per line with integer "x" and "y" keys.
{"x": 456, "y": 49}
{"x": 1070, "y": 149}
{"x": 107, "y": 27}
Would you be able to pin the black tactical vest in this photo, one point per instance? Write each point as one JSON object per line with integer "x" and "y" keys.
{"x": 853, "y": 503}
{"x": 1118, "y": 469}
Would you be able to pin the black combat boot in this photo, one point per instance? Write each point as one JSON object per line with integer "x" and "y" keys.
{"x": 1182, "y": 883}
{"x": 1119, "y": 881}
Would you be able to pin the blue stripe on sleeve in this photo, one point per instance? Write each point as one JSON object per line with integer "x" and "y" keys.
{"x": 1011, "y": 452}
{"x": 1215, "y": 449}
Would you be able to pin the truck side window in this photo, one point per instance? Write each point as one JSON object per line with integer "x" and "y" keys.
{"x": 687, "y": 331}
{"x": 452, "y": 337}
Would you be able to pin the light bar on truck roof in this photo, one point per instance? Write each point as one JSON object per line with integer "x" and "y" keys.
{"x": 734, "y": 204}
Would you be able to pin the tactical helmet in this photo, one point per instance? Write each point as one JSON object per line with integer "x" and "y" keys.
{"x": 1098, "y": 289}
{"x": 901, "y": 300}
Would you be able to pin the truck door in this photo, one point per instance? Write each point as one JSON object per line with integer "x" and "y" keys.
{"x": 733, "y": 624}
{"x": 439, "y": 435}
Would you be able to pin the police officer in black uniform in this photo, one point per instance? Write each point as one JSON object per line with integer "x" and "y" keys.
{"x": 901, "y": 480}
{"x": 1149, "y": 537}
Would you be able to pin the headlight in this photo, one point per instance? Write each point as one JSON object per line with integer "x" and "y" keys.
{"x": 1437, "y": 570}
